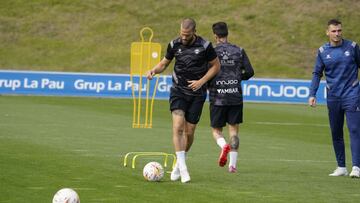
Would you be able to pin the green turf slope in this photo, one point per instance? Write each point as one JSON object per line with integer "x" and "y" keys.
{"x": 281, "y": 37}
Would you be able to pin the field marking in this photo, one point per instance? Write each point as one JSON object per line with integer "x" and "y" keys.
{"x": 35, "y": 188}
{"x": 290, "y": 160}
{"x": 356, "y": 195}
{"x": 80, "y": 178}
{"x": 32, "y": 125}
{"x": 275, "y": 160}
{"x": 105, "y": 199}
{"x": 289, "y": 124}
{"x": 79, "y": 150}
{"x": 120, "y": 186}
{"x": 84, "y": 188}
{"x": 246, "y": 192}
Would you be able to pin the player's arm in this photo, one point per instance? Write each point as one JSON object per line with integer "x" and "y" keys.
{"x": 158, "y": 68}
{"x": 247, "y": 70}
{"x": 214, "y": 68}
{"x": 212, "y": 71}
{"x": 315, "y": 82}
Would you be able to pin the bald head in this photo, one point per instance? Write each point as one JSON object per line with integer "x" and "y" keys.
{"x": 188, "y": 24}
{"x": 187, "y": 31}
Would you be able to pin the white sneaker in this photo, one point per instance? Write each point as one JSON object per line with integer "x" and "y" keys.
{"x": 339, "y": 171}
{"x": 175, "y": 173}
{"x": 355, "y": 173}
{"x": 185, "y": 177}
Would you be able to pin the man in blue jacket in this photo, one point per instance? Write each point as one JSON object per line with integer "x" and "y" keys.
{"x": 339, "y": 59}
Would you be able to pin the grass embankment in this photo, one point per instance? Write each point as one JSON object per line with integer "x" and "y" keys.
{"x": 281, "y": 37}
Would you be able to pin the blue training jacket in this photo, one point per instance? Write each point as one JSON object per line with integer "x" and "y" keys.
{"x": 340, "y": 64}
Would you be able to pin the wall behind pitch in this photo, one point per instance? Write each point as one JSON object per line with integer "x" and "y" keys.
{"x": 119, "y": 85}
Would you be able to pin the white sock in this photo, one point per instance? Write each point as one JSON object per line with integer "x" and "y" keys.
{"x": 221, "y": 142}
{"x": 233, "y": 159}
{"x": 176, "y": 167}
{"x": 180, "y": 160}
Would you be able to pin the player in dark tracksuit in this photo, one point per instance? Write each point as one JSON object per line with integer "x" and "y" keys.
{"x": 196, "y": 63}
{"x": 226, "y": 100}
{"x": 339, "y": 59}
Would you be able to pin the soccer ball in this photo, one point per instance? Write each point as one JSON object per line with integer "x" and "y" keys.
{"x": 153, "y": 171}
{"x": 66, "y": 195}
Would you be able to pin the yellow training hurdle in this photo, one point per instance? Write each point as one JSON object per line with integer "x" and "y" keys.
{"x": 138, "y": 154}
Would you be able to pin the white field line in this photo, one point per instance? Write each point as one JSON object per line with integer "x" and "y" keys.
{"x": 39, "y": 124}
{"x": 84, "y": 188}
{"x": 290, "y": 160}
{"x": 290, "y": 124}
{"x": 120, "y": 186}
{"x": 276, "y": 160}
{"x": 35, "y": 188}
{"x": 115, "y": 199}
{"x": 277, "y": 123}
{"x": 356, "y": 195}
{"x": 79, "y": 150}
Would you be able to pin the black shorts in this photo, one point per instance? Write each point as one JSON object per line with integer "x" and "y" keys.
{"x": 220, "y": 115}
{"x": 191, "y": 105}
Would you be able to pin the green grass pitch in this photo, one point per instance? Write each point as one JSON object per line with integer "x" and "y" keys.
{"x": 48, "y": 143}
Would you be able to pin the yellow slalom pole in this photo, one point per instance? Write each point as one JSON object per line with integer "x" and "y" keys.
{"x": 134, "y": 101}
{"x": 148, "y": 82}
{"x": 140, "y": 77}
{"x": 152, "y": 100}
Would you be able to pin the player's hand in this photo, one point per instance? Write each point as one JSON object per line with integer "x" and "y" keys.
{"x": 150, "y": 74}
{"x": 312, "y": 101}
{"x": 195, "y": 84}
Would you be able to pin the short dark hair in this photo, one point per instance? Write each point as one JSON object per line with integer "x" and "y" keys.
{"x": 220, "y": 29}
{"x": 334, "y": 22}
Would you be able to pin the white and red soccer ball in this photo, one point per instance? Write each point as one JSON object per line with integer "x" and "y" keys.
{"x": 66, "y": 195}
{"x": 153, "y": 171}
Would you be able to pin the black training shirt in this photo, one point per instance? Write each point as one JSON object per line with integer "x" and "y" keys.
{"x": 225, "y": 87}
{"x": 191, "y": 63}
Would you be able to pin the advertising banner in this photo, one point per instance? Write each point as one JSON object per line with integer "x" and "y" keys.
{"x": 119, "y": 85}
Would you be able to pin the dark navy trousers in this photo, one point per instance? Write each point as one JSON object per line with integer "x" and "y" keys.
{"x": 339, "y": 109}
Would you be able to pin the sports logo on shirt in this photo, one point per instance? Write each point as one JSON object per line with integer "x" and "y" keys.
{"x": 225, "y": 59}
{"x": 178, "y": 52}
{"x": 228, "y": 82}
{"x": 347, "y": 53}
{"x": 328, "y": 56}
{"x": 197, "y": 51}
{"x": 225, "y": 55}
{"x": 228, "y": 91}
